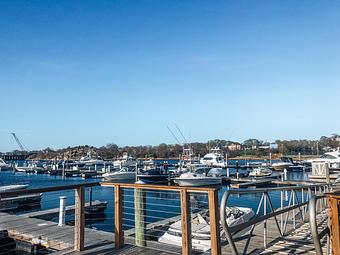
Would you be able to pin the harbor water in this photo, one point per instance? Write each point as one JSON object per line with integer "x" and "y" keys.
{"x": 159, "y": 204}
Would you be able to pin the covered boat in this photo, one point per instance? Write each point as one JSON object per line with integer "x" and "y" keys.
{"x": 200, "y": 228}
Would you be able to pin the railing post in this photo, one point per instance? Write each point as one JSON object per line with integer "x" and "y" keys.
{"x": 118, "y": 203}
{"x": 79, "y": 225}
{"x": 334, "y": 225}
{"x": 281, "y": 215}
{"x": 186, "y": 223}
{"x": 140, "y": 201}
{"x": 294, "y": 215}
{"x": 313, "y": 224}
{"x": 214, "y": 222}
{"x": 265, "y": 221}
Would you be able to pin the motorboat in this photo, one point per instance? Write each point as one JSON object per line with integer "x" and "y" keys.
{"x": 16, "y": 202}
{"x": 125, "y": 161}
{"x": 217, "y": 172}
{"x": 260, "y": 172}
{"x": 198, "y": 178}
{"x": 154, "y": 176}
{"x": 30, "y": 168}
{"x": 284, "y": 163}
{"x": 4, "y": 166}
{"x": 14, "y": 187}
{"x": 332, "y": 157}
{"x": 88, "y": 160}
{"x": 200, "y": 227}
{"x": 214, "y": 158}
{"x": 124, "y": 174}
{"x": 187, "y": 159}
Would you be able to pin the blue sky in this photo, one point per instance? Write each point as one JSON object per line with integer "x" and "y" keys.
{"x": 95, "y": 72}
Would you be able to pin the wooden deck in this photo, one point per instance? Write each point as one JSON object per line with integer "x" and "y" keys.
{"x": 60, "y": 239}
{"x": 298, "y": 241}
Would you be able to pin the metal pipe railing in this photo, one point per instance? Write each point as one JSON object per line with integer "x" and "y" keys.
{"x": 316, "y": 237}
{"x": 293, "y": 204}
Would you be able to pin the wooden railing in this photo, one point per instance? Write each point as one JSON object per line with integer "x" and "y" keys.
{"x": 185, "y": 213}
{"x": 334, "y": 201}
{"x": 79, "y": 225}
{"x": 185, "y": 210}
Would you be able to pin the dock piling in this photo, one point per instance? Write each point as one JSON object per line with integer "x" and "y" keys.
{"x": 62, "y": 211}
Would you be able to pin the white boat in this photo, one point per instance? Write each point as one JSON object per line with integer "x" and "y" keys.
{"x": 217, "y": 172}
{"x": 285, "y": 163}
{"x": 88, "y": 160}
{"x": 198, "y": 178}
{"x": 214, "y": 158}
{"x": 124, "y": 174}
{"x": 201, "y": 229}
{"x": 13, "y": 187}
{"x": 4, "y": 166}
{"x": 260, "y": 172}
{"x": 332, "y": 157}
{"x": 280, "y": 166}
{"x": 125, "y": 161}
{"x": 30, "y": 168}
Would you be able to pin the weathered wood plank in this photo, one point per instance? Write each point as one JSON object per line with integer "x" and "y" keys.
{"x": 118, "y": 202}
{"x": 214, "y": 223}
{"x": 79, "y": 224}
{"x": 186, "y": 223}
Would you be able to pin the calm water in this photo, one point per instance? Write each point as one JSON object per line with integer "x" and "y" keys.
{"x": 159, "y": 204}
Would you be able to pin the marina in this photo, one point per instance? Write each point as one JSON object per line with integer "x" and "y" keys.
{"x": 47, "y": 234}
{"x": 162, "y": 209}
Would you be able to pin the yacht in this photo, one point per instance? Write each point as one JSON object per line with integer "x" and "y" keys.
{"x": 198, "y": 178}
{"x": 88, "y": 160}
{"x": 332, "y": 157}
{"x": 201, "y": 228}
{"x": 187, "y": 159}
{"x": 260, "y": 172}
{"x": 284, "y": 163}
{"x": 4, "y": 166}
{"x": 124, "y": 174}
{"x": 154, "y": 176}
{"x": 30, "y": 168}
{"x": 214, "y": 158}
{"x": 125, "y": 161}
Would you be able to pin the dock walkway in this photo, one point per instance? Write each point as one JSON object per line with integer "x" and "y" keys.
{"x": 298, "y": 241}
{"x": 60, "y": 239}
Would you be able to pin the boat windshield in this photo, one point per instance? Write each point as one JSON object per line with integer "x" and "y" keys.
{"x": 327, "y": 156}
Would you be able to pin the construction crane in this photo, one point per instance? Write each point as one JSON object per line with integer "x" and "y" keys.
{"x": 22, "y": 147}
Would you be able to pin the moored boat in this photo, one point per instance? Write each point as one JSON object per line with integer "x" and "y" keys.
{"x": 214, "y": 158}
{"x": 260, "y": 172}
{"x": 198, "y": 178}
{"x": 13, "y": 187}
{"x": 4, "y": 166}
{"x": 201, "y": 228}
{"x": 124, "y": 174}
{"x": 285, "y": 163}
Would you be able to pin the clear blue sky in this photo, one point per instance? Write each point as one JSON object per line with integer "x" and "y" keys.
{"x": 94, "y": 72}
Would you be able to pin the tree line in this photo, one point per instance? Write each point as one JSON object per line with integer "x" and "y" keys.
{"x": 249, "y": 147}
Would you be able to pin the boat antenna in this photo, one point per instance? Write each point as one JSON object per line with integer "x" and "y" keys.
{"x": 173, "y": 135}
{"x": 179, "y": 131}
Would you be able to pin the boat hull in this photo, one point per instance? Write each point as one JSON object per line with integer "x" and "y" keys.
{"x": 281, "y": 166}
{"x": 120, "y": 176}
{"x": 195, "y": 182}
{"x": 150, "y": 179}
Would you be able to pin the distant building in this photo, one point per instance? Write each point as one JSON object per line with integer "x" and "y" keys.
{"x": 234, "y": 147}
